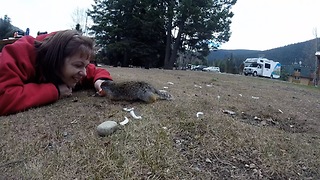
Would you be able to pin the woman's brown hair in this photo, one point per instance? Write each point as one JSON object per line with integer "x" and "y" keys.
{"x": 53, "y": 50}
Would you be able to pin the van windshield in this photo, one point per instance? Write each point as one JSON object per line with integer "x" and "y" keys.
{"x": 254, "y": 65}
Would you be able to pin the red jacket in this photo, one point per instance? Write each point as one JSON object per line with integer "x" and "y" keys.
{"x": 18, "y": 90}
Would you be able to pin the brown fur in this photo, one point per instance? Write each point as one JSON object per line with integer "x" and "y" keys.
{"x": 133, "y": 91}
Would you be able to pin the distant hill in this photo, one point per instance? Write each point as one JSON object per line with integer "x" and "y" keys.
{"x": 286, "y": 55}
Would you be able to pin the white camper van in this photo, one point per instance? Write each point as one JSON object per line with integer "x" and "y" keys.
{"x": 262, "y": 67}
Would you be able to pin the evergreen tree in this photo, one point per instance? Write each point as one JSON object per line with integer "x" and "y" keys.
{"x": 198, "y": 22}
{"x": 140, "y": 32}
{"x": 5, "y": 27}
{"x": 131, "y": 32}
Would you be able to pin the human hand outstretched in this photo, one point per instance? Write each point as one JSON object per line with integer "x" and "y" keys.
{"x": 97, "y": 85}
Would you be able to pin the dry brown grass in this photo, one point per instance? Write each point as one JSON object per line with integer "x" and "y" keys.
{"x": 59, "y": 141}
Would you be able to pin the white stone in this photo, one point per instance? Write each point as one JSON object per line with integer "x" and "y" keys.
{"x": 107, "y": 128}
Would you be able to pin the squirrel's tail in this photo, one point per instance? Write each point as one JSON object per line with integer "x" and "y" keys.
{"x": 164, "y": 95}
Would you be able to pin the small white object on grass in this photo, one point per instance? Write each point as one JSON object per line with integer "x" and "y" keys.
{"x": 125, "y": 121}
{"x": 171, "y": 83}
{"x": 253, "y": 97}
{"x": 280, "y": 111}
{"x": 163, "y": 91}
{"x": 107, "y": 128}
{"x": 199, "y": 113}
{"x": 134, "y": 115}
{"x": 74, "y": 121}
{"x": 229, "y": 112}
{"x": 128, "y": 109}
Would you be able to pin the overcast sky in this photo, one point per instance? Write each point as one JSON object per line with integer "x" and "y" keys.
{"x": 256, "y": 25}
{"x": 42, "y": 15}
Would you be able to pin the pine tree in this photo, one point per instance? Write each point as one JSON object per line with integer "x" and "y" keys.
{"x": 152, "y": 32}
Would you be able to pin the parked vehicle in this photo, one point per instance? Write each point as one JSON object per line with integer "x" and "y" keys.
{"x": 262, "y": 67}
{"x": 211, "y": 69}
{"x": 198, "y": 68}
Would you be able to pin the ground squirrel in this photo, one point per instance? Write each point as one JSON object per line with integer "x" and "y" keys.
{"x": 133, "y": 91}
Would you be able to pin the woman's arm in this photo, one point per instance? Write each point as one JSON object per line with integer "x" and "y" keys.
{"x": 94, "y": 75}
{"x": 18, "y": 90}
{"x": 18, "y": 98}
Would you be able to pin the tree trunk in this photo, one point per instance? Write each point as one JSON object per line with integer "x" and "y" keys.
{"x": 168, "y": 45}
{"x": 168, "y": 38}
{"x": 175, "y": 48}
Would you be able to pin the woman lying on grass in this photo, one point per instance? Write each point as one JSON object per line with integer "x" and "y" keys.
{"x": 38, "y": 71}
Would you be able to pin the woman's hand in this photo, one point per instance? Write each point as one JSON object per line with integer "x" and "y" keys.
{"x": 97, "y": 85}
{"x": 65, "y": 91}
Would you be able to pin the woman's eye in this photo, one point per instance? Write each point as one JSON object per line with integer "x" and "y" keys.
{"x": 78, "y": 65}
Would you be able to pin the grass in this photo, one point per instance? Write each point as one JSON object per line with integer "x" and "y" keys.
{"x": 59, "y": 141}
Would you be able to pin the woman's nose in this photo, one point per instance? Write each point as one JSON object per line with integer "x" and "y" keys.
{"x": 83, "y": 72}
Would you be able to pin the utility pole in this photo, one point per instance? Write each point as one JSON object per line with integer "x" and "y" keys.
{"x": 317, "y": 61}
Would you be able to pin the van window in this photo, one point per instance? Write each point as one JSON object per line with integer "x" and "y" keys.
{"x": 253, "y": 65}
{"x": 267, "y": 66}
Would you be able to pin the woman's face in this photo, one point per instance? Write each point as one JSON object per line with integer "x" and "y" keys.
{"x": 74, "y": 69}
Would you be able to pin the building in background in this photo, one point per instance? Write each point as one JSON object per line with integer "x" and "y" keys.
{"x": 300, "y": 74}
{"x": 317, "y": 69}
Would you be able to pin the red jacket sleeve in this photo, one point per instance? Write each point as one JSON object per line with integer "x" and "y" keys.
{"x": 18, "y": 91}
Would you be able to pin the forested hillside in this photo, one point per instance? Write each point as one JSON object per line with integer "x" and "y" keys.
{"x": 303, "y": 51}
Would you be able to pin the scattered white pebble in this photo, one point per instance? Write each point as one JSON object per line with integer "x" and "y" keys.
{"x": 199, "y": 113}
{"x": 229, "y": 112}
{"x": 134, "y": 115}
{"x": 171, "y": 83}
{"x": 209, "y": 85}
{"x": 256, "y": 118}
{"x": 165, "y": 128}
{"x": 198, "y": 86}
{"x": 163, "y": 91}
{"x": 107, "y": 128}
{"x": 218, "y": 97}
{"x": 208, "y": 160}
{"x": 128, "y": 109}
{"x": 252, "y": 166}
{"x": 125, "y": 121}
{"x": 240, "y": 95}
{"x": 74, "y": 122}
{"x": 280, "y": 111}
{"x": 165, "y": 87}
{"x": 253, "y": 97}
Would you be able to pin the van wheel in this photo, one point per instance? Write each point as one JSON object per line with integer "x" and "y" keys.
{"x": 254, "y": 73}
